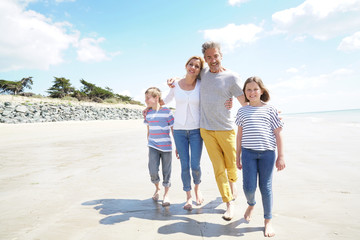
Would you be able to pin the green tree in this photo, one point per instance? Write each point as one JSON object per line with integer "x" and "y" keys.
{"x": 94, "y": 92}
{"x": 15, "y": 87}
{"x": 61, "y": 88}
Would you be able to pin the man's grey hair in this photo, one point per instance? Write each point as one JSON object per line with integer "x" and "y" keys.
{"x": 210, "y": 44}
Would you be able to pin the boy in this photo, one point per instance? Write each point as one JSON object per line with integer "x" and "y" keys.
{"x": 159, "y": 121}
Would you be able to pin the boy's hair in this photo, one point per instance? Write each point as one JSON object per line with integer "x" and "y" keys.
{"x": 210, "y": 44}
{"x": 154, "y": 92}
{"x": 265, "y": 97}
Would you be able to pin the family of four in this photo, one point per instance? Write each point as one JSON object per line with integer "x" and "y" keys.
{"x": 201, "y": 116}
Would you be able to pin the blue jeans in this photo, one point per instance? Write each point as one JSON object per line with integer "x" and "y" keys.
{"x": 260, "y": 163}
{"x": 155, "y": 156}
{"x": 186, "y": 140}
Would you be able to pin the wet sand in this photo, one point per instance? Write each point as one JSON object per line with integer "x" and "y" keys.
{"x": 89, "y": 180}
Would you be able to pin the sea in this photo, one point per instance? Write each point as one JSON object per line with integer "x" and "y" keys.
{"x": 346, "y": 117}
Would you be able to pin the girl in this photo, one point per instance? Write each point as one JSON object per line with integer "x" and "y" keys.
{"x": 259, "y": 134}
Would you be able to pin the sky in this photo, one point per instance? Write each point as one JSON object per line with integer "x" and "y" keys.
{"x": 307, "y": 52}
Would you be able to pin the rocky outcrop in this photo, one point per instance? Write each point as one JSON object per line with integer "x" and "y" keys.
{"x": 13, "y": 112}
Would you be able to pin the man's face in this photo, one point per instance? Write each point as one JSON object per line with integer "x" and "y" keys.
{"x": 213, "y": 58}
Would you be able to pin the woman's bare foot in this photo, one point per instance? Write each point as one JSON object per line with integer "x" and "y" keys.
{"x": 198, "y": 195}
{"x": 156, "y": 195}
{"x": 233, "y": 189}
{"x": 188, "y": 204}
{"x": 248, "y": 213}
{"x": 269, "y": 231}
{"x": 229, "y": 213}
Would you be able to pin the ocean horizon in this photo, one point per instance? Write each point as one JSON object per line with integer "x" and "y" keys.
{"x": 346, "y": 116}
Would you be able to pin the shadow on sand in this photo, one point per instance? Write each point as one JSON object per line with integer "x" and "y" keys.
{"x": 121, "y": 210}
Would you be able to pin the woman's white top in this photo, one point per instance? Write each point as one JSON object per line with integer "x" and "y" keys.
{"x": 187, "y": 112}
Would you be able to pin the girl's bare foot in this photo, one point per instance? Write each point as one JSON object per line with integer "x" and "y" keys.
{"x": 229, "y": 214}
{"x": 248, "y": 213}
{"x": 269, "y": 231}
{"x": 166, "y": 201}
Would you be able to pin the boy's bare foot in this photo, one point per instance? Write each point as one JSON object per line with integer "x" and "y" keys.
{"x": 156, "y": 195}
{"x": 233, "y": 189}
{"x": 269, "y": 231}
{"x": 166, "y": 201}
{"x": 248, "y": 213}
{"x": 229, "y": 213}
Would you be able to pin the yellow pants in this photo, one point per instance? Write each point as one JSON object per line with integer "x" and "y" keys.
{"x": 220, "y": 146}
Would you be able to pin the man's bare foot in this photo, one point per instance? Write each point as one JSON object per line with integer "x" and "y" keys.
{"x": 166, "y": 201}
{"x": 229, "y": 213}
{"x": 233, "y": 189}
{"x": 269, "y": 231}
{"x": 248, "y": 213}
{"x": 156, "y": 195}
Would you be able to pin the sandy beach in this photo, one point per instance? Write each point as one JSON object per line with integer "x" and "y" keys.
{"x": 89, "y": 180}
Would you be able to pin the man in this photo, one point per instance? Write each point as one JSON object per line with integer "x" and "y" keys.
{"x": 217, "y": 85}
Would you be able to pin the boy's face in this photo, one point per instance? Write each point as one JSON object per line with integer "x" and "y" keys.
{"x": 151, "y": 101}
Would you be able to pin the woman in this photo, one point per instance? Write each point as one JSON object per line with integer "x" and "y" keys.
{"x": 187, "y": 127}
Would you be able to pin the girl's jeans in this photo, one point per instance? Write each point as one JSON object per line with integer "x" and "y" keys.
{"x": 187, "y": 141}
{"x": 260, "y": 163}
{"x": 155, "y": 156}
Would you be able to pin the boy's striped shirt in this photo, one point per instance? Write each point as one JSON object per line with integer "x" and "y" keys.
{"x": 160, "y": 123}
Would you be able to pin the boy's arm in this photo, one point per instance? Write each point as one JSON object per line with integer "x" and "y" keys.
{"x": 280, "y": 162}
{"x": 238, "y": 148}
{"x": 147, "y": 135}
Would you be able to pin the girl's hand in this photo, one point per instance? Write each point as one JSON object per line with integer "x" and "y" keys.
{"x": 280, "y": 163}
{"x": 238, "y": 163}
{"x": 228, "y": 104}
{"x": 177, "y": 154}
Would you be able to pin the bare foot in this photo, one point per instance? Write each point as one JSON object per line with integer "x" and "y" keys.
{"x": 166, "y": 201}
{"x": 269, "y": 231}
{"x": 233, "y": 188}
{"x": 198, "y": 195}
{"x": 248, "y": 213}
{"x": 229, "y": 213}
{"x": 156, "y": 195}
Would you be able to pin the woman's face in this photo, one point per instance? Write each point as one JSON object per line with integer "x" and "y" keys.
{"x": 193, "y": 67}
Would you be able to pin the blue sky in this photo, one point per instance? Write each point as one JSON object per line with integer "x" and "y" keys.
{"x": 306, "y": 52}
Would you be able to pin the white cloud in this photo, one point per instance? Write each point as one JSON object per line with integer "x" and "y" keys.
{"x": 237, "y": 2}
{"x": 232, "y": 35}
{"x": 321, "y": 19}
{"x": 89, "y": 50}
{"x": 350, "y": 43}
{"x": 34, "y": 41}
{"x": 292, "y": 70}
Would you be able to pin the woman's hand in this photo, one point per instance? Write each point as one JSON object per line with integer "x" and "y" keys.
{"x": 170, "y": 82}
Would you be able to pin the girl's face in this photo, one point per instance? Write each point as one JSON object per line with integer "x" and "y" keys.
{"x": 193, "y": 67}
{"x": 151, "y": 101}
{"x": 253, "y": 92}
